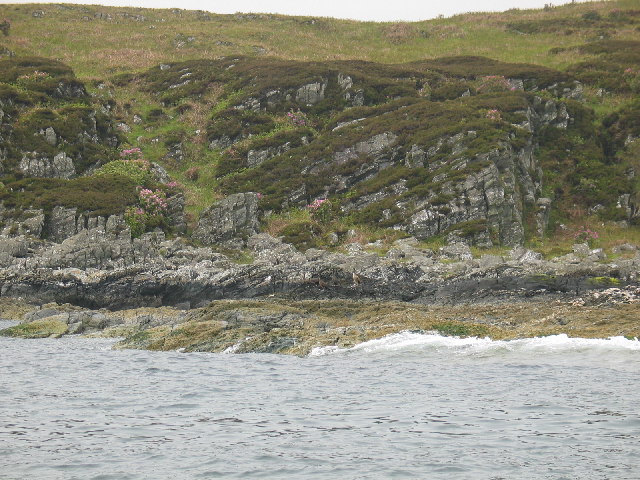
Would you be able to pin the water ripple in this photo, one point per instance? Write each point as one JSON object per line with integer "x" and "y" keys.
{"x": 73, "y": 408}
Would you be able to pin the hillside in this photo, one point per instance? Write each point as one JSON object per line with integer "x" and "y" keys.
{"x": 491, "y": 129}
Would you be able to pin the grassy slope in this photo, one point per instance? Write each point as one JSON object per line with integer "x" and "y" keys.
{"x": 99, "y": 42}
{"x": 98, "y": 47}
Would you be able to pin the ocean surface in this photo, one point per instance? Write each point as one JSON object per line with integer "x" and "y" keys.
{"x": 407, "y": 406}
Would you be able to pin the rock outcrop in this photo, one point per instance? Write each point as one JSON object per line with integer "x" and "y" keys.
{"x": 104, "y": 267}
{"x": 34, "y": 164}
{"x": 311, "y": 93}
{"x": 228, "y": 220}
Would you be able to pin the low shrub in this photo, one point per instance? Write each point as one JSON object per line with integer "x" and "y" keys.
{"x": 136, "y": 171}
{"x": 102, "y": 195}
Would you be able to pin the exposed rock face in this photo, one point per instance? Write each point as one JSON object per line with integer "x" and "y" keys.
{"x": 231, "y": 218}
{"x": 373, "y": 146}
{"x": 543, "y": 206}
{"x": 27, "y": 222}
{"x": 175, "y": 213}
{"x": 61, "y": 224}
{"x": 256, "y": 157}
{"x": 378, "y": 148}
{"x": 415, "y": 157}
{"x": 34, "y": 164}
{"x": 104, "y": 267}
{"x": 57, "y": 136}
{"x": 484, "y": 207}
{"x": 159, "y": 173}
{"x": 223, "y": 142}
{"x": 493, "y": 198}
{"x": 50, "y": 136}
{"x": 311, "y": 93}
{"x": 70, "y": 89}
{"x": 14, "y": 247}
{"x": 175, "y": 152}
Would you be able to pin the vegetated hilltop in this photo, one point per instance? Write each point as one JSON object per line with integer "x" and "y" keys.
{"x": 491, "y": 129}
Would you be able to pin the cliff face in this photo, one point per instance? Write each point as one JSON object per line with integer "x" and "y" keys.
{"x": 54, "y": 137}
{"x": 468, "y": 149}
{"x": 398, "y": 146}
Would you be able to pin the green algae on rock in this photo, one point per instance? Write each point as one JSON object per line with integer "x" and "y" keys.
{"x": 49, "y": 327}
{"x": 288, "y": 327}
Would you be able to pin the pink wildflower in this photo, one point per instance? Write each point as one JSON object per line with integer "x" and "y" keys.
{"x": 494, "y": 115}
{"x": 317, "y": 203}
{"x": 297, "y": 118}
{"x": 585, "y": 234}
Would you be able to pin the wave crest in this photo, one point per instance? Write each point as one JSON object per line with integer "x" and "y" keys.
{"x": 412, "y": 341}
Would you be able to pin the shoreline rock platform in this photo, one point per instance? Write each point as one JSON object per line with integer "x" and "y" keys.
{"x": 163, "y": 294}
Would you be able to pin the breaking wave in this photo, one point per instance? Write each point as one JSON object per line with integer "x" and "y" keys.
{"x": 412, "y": 341}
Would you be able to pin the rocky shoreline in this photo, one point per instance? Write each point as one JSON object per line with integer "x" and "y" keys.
{"x": 298, "y": 327}
{"x": 165, "y": 294}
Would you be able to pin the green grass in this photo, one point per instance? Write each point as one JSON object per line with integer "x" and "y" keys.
{"x": 94, "y": 47}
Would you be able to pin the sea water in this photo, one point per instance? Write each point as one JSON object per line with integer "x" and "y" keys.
{"x": 406, "y": 406}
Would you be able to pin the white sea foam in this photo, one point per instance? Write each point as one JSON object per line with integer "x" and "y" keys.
{"x": 412, "y": 341}
{"x": 234, "y": 348}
